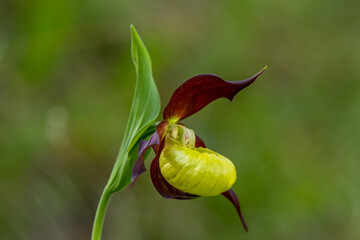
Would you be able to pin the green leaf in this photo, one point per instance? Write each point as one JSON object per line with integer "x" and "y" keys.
{"x": 144, "y": 111}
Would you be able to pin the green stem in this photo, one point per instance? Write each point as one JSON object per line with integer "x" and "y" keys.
{"x": 100, "y": 215}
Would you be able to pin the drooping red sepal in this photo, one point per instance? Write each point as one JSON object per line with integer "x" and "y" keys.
{"x": 154, "y": 141}
{"x": 166, "y": 190}
{"x": 199, "y": 91}
{"x": 231, "y": 195}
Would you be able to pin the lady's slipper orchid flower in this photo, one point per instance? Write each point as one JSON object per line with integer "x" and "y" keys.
{"x": 183, "y": 167}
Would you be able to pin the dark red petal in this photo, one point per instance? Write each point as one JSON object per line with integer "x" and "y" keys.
{"x": 199, "y": 91}
{"x": 139, "y": 166}
{"x": 162, "y": 186}
{"x": 199, "y": 142}
{"x": 231, "y": 195}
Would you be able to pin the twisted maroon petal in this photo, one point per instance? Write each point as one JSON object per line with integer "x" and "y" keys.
{"x": 154, "y": 141}
{"x": 231, "y": 195}
{"x": 199, "y": 91}
{"x": 139, "y": 166}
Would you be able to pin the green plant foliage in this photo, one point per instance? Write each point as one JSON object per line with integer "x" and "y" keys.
{"x": 145, "y": 109}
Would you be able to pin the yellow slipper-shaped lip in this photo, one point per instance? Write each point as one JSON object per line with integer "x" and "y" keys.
{"x": 198, "y": 171}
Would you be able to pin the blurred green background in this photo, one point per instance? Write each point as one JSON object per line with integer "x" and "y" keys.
{"x": 66, "y": 86}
